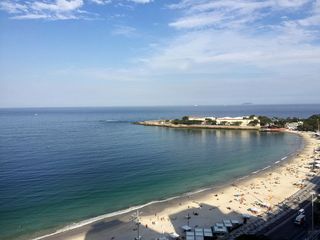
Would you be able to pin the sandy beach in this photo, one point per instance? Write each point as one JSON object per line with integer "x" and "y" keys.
{"x": 270, "y": 186}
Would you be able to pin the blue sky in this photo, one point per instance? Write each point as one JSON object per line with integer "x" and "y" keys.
{"x": 158, "y": 52}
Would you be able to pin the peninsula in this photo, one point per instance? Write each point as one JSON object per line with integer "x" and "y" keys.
{"x": 242, "y": 123}
{"x": 252, "y": 122}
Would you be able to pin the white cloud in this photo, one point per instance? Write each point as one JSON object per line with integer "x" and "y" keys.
{"x": 126, "y": 31}
{"x": 31, "y": 16}
{"x": 101, "y": 2}
{"x": 13, "y": 7}
{"x": 229, "y": 13}
{"x": 53, "y": 10}
{"x": 199, "y": 20}
{"x": 57, "y": 9}
{"x": 58, "y": 6}
{"x": 141, "y": 1}
{"x": 206, "y": 51}
{"x": 291, "y": 3}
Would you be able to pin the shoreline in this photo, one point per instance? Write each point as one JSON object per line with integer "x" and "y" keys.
{"x": 123, "y": 230}
{"x": 159, "y": 123}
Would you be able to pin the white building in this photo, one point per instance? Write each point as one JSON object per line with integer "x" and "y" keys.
{"x": 240, "y": 121}
{"x": 293, "y": 125}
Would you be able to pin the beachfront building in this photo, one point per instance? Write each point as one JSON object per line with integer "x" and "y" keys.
{"x": 202, "y": 119}
{"x": 293, "y": 125}
{"x": 229, "y": 121}
{"x": 239, "y": 121}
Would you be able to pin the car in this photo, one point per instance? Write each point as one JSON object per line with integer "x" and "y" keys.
{"x": 300, "y": 219}
{"x": 301, "y": 211}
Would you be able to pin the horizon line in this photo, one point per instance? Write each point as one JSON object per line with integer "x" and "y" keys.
{"x": 146, "y": 106}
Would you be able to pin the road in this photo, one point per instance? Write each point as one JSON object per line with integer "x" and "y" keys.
{"x": 285, "y": 229}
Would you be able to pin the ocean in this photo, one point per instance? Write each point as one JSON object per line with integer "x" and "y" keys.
{"x": 59, "y": 166}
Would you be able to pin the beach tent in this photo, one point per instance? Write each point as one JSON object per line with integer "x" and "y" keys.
{"x": 219, "y": 228}
{"x": 199, "y": 238}
{"x": 227, "y": 223}
{"x": 190, "y": 236}
{"x": 207, "y": 232}
{"x": 189, "y": 233}
{"x": 235, "y": 222}
{"x": 186, "y": 228}
{"x": 163, "y": 238}
{"x": 198, "y": 231}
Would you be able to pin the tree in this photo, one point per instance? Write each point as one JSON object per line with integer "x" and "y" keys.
{"x": 176, "y": 121}
{"x": 253, "y": 123}
{"x": 185, "y": 118}
{"x": 264, "y": 120}
{"x": 310, "y": 124}
{"x": 238, "y": 123}
{"x": 209, "y": 121}
{"x": 280, "y": 122}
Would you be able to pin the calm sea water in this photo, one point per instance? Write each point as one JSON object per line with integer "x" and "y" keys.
{"x": 63, "y": 165}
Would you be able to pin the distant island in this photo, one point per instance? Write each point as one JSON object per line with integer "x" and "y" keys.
{"x": 252, "y": 122}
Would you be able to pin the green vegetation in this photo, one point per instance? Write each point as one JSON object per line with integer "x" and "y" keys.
{"x": 185, "y": 118}
{"x": 186, "y": 121}
{"x": 254, "y": 122}
{"x": 223, "y": 123}
{"x": 310, "y": 124}
{"x": 264, "y": 121}
{"x": 236, "y": 123}
{"x": 279, "y": 122}
{"x": 210, "y": 121}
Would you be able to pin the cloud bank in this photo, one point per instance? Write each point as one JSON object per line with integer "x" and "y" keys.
{"x": 55, "y": 9}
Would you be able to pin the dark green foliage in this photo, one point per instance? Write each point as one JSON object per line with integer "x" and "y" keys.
{"x": 185, "y": 121}
{"x": 253, "y": 123}
{"x": 192, "y": 122}
{"x": 211, "y": 122}
{"x": 176, "y": 121}
{"x": 185, "y": 118}
{"x": 279, "y": 122}
{"x": 236, "y": 123}
{"x": 264, "y": 120}
{"x": 310, "y": 124}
